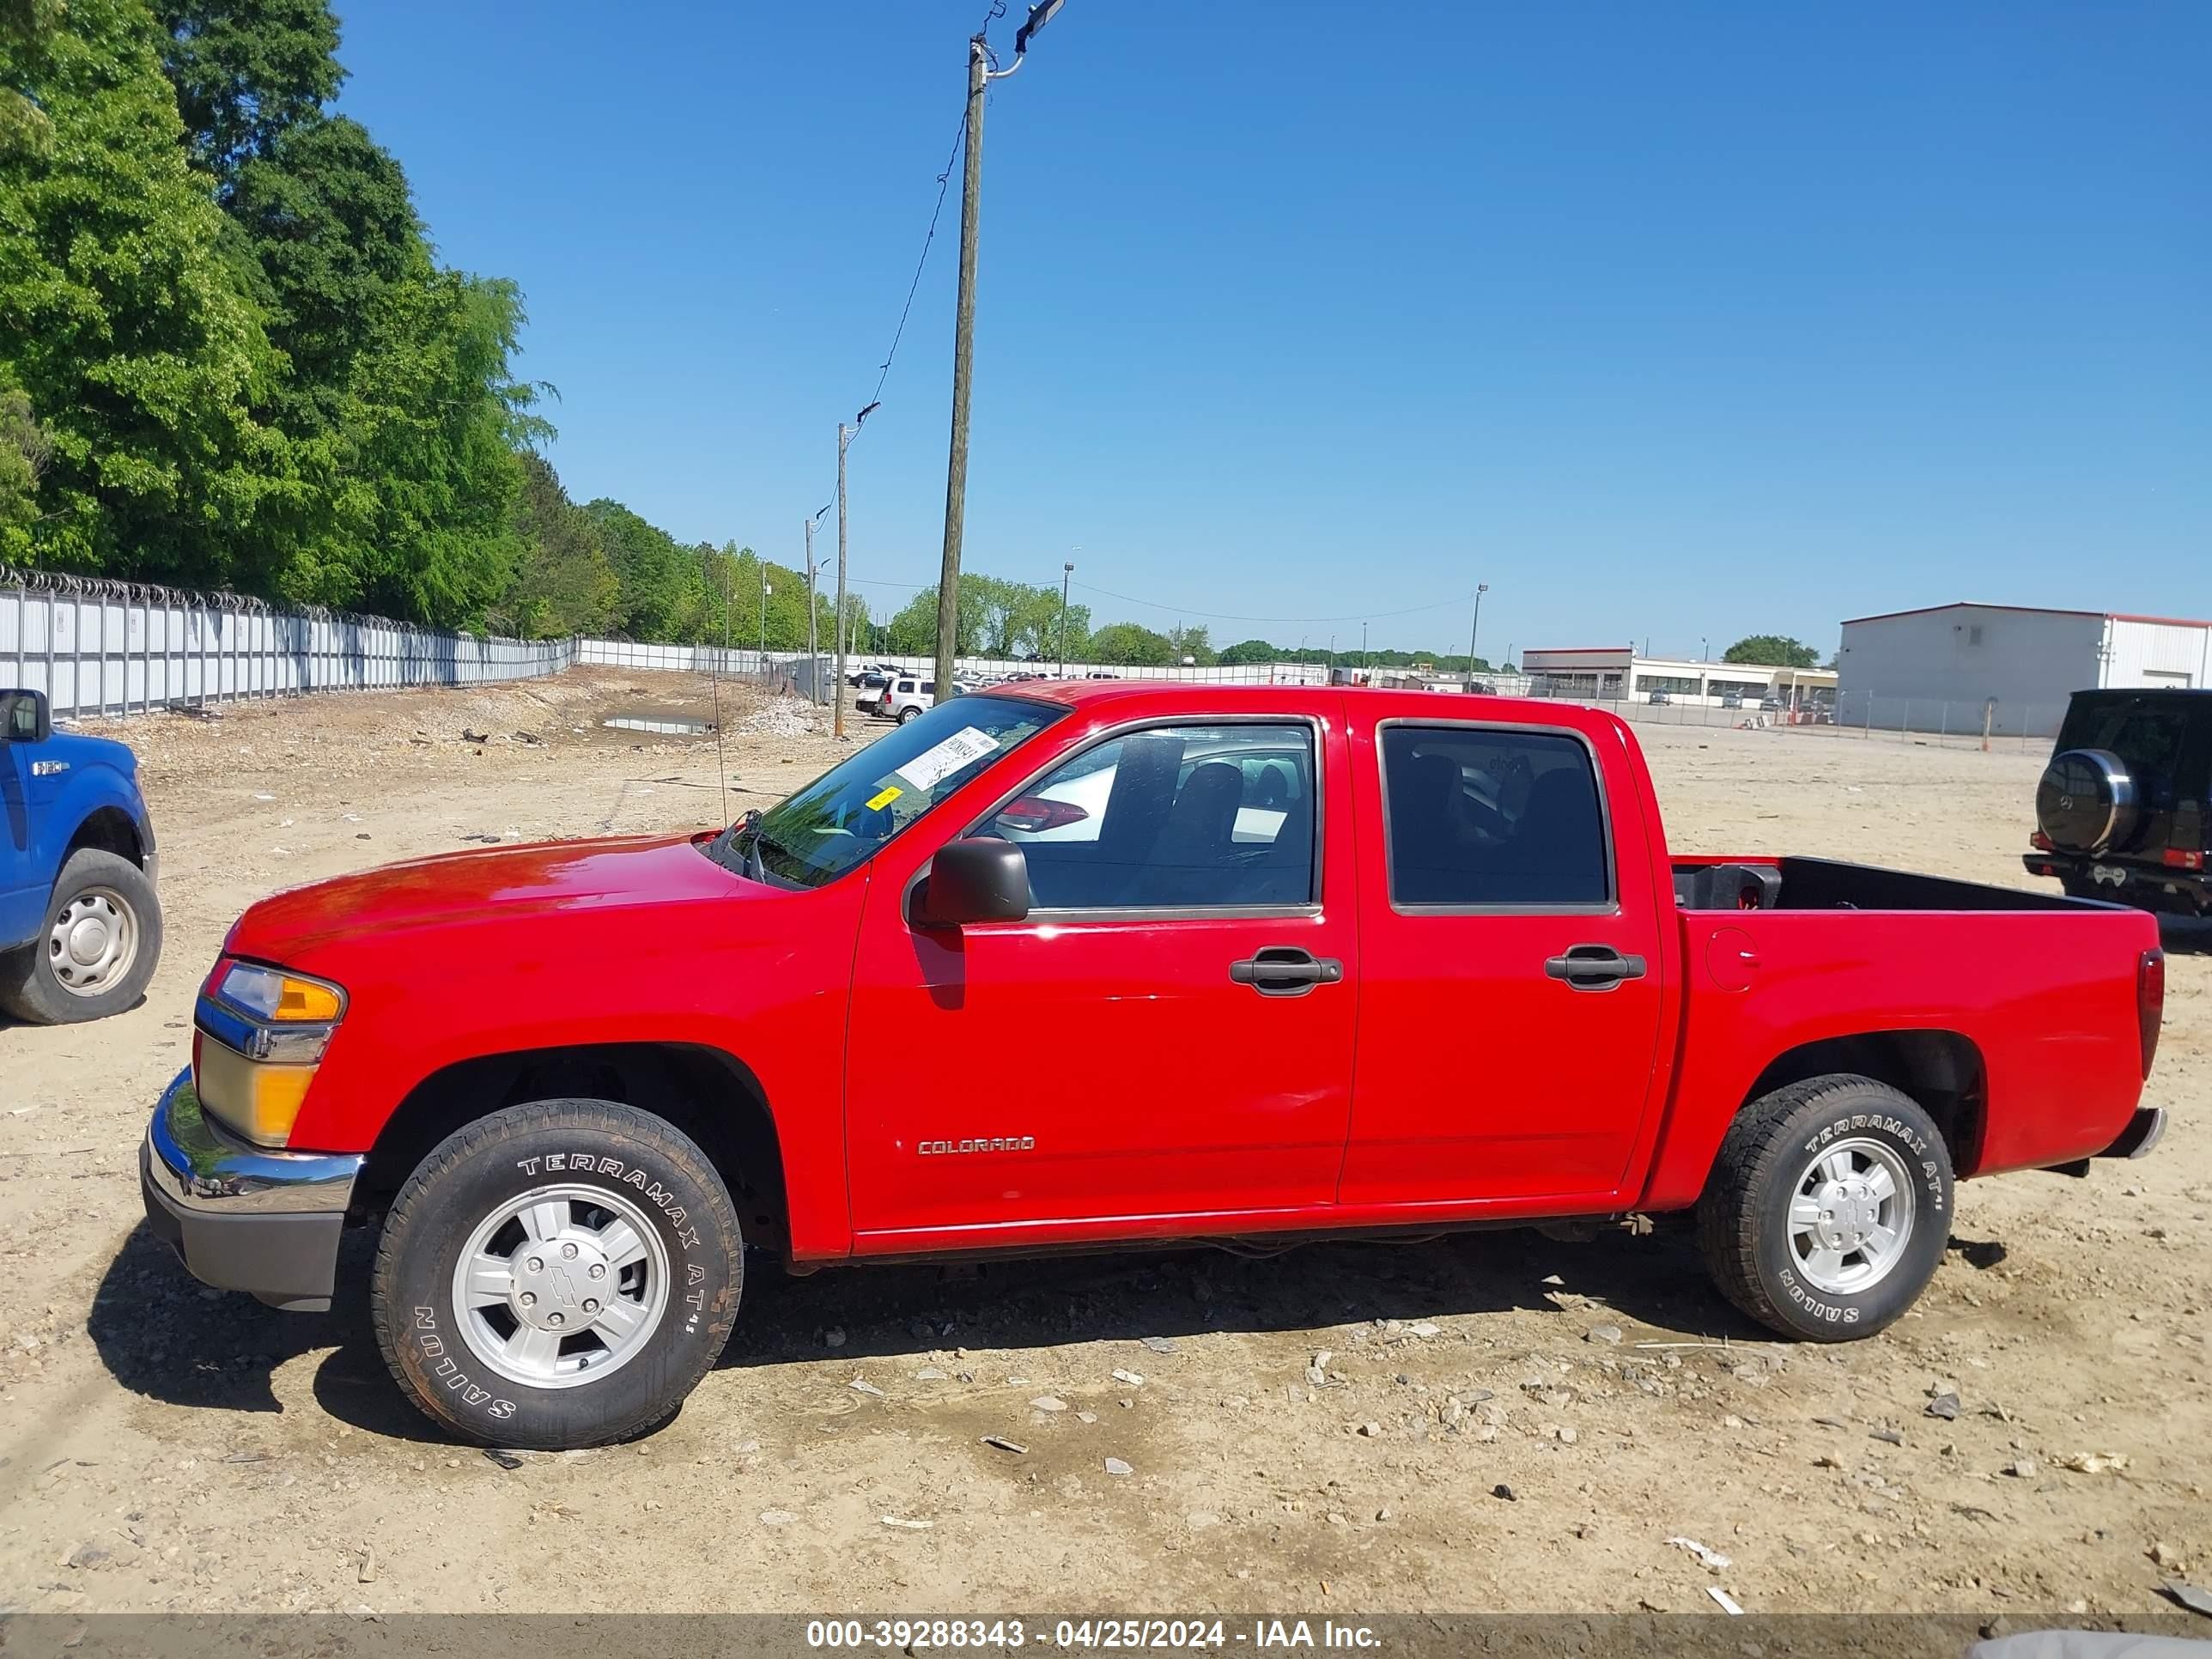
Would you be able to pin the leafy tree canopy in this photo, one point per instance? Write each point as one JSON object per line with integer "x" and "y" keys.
{"x": 246, "y": 70}
{"x": 1131, "y": 643}
{"x": 1773, "y": 650}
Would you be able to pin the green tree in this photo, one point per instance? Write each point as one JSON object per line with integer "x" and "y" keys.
{"x": 246, "y": 71}
{"x": 1252, "y": 650}
{"x": 563, "y": 582}
{"x": 662, "y": 584}
{"x": 1130, "y": 643}
{"x": 25, "y": 449}
{"x": 441, "y": 422}
{"x": 1196, "y": 643}
{"x": 27, "y": 30}
{"x": 1772, "y": 650}
{"x": 141, "y": 355}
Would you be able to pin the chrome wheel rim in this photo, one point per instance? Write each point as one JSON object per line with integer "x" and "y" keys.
{"x": 561, "y": 1286}
{"x": 1850, "y": 1216}
{"x": 93, "y": 942}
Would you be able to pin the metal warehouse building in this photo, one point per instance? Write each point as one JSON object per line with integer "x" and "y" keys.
{"x": 1953, "y": 667}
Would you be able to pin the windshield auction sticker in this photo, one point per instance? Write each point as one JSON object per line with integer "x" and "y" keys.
{"x": 942, "y": 760}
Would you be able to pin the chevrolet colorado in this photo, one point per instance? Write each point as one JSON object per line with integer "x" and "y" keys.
{"x": 1296, "y": 961}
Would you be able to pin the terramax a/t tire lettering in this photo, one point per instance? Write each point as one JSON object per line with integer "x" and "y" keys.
{"x": 1828, "y": 1207}
{"x": 558, "y": 1274}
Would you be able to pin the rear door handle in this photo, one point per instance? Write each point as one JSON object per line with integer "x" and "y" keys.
{"x": 1593, "y": 967}
{"x": 1285, "y": 970}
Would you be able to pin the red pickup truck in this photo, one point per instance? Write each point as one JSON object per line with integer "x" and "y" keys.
{"x": 1091, "y": 963}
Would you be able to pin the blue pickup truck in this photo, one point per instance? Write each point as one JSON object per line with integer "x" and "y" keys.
{"x": 80, "y": 925}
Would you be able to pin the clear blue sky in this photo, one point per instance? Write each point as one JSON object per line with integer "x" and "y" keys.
{"x": 1676, "y": 321}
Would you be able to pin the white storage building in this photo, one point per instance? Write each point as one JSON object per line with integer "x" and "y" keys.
{"x": 1949, "y": 667}
{"x": 1608, "y": 673}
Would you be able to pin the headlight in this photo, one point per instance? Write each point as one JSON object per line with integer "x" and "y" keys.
{"x": 260, "y": 1036}
{"x": 285, "y": 997}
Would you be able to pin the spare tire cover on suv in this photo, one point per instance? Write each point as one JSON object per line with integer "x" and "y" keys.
{"x": 2086, "y": 802}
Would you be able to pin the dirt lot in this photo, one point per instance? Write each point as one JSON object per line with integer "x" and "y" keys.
{"x": 165, "y": 1447}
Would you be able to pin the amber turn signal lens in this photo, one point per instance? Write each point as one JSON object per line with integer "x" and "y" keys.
{"x": 305, "y": 999}
{"x": 253, "y": 1098}
{"x": 281, "y": 997}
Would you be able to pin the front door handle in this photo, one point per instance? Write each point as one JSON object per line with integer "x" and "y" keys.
{"x": 1593, "y": 967}
{"x": 1285, "y": 970}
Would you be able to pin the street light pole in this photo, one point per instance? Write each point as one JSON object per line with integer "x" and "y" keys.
{"x": 813, "y": 652}
{"x": 1066, "y": 574}
{"x": 1474, "y": 628}
{"x": 837, "y": 721}
{"x": 765, "y": 591}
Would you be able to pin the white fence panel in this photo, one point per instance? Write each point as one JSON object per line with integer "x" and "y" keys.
{"x": 98, "y": 648}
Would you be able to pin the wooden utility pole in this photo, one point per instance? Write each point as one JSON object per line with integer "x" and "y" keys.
{"x": 963, "y": 348}
{"x": 837, "y": 725}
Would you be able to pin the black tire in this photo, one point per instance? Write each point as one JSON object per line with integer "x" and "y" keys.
{"x": 909, "y": 713}
{"x": 31, "y": 987}
{"x": 642, "y": 1160}
{"x": 1743, "y": 1218}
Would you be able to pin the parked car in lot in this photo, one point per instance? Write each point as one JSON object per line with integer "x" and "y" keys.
{"x": 907, "y": 696}
{"x": 1318, "y": 961}
{"x": 2124, "y": 811}
{"x": 1731, "y": 698}
{"x": 80, "y": 919}
{"x": 1659, "y": 697}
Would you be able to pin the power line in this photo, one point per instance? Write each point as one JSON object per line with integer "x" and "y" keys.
{"x": 997, "y": 10}
{"x": 1226, "y": 615}
{"x": 943, "y": 181}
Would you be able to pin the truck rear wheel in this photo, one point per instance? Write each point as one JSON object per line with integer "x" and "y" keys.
{"x": 1828, "y": 1208}
{"x": 96, "y": 950}
{"x": 558, "y": 1274}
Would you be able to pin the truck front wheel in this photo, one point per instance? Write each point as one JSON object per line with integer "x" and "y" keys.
{"x": 558, "y": 1274}
{"x": 96, "y": 950}
{"x": 1828, "y": 1208}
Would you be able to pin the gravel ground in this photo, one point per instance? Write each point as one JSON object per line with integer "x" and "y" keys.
{"x": 1333, "y": 1427}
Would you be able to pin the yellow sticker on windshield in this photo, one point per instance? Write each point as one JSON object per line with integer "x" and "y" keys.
{"x": 884, "y": 797}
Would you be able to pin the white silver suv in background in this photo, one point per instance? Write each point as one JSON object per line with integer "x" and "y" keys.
{"x": 906, "y": 698}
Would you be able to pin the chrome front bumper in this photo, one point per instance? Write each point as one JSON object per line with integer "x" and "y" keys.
{"x": 244, "y": 1218}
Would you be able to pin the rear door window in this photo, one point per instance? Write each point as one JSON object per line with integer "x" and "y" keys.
{"x": 1494, "y": 819}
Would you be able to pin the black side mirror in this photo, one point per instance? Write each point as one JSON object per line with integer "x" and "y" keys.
{"x": 25, "y": 717}
{"x": 977, "y": 880}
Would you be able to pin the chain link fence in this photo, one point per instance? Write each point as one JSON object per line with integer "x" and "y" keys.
{"x": 1996, "y": 725}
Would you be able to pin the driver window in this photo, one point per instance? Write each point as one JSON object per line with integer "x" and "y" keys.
{"x": 1177, "y": 817}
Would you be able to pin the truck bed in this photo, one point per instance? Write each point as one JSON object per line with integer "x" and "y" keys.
{"x": 2030, "y": 1002}
{"x": 1808, "y": 883}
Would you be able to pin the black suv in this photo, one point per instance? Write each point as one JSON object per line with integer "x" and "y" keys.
{"x": 2121, "y": 813}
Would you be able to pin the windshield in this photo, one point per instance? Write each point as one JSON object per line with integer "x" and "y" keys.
{"x": 847, "y": 815}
